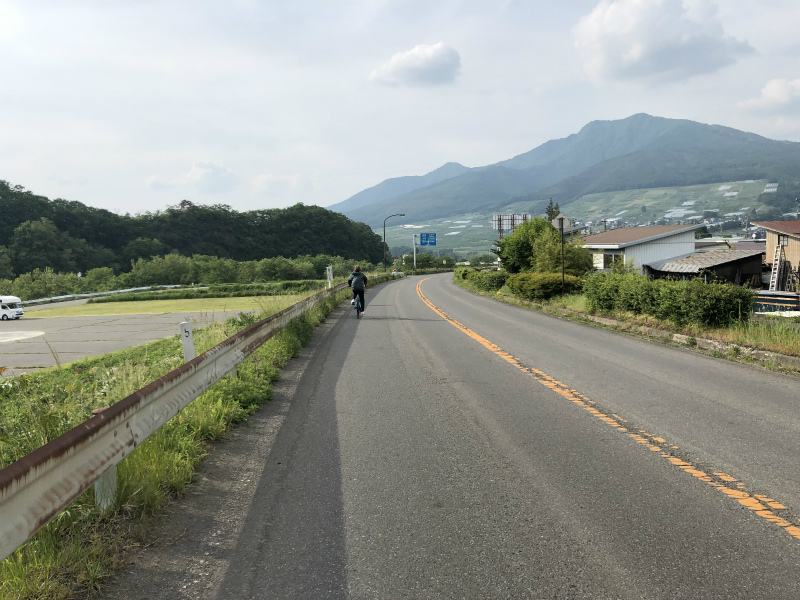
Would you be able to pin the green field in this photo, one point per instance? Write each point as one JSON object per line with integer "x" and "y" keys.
{"x": 472, "y": 233}
{"x": 639, "y": 207}
{"x": 268, "y": 304}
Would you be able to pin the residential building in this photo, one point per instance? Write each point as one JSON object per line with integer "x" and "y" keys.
{"x": 783, "y": 254}
{"x": 642, "y": 245}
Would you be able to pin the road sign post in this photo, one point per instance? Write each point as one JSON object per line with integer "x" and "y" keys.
{"x": 427, "y": 239}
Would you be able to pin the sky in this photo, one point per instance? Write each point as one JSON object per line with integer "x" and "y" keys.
{"x": 135, "y": 105}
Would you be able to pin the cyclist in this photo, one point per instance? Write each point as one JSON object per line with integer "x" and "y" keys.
{"x": 357, "y": 281}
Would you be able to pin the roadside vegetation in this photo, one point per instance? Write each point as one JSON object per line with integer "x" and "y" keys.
{"x": 718, "y": 320}
{"x": 532, "y": 278}
{"x": 74, "y": 553}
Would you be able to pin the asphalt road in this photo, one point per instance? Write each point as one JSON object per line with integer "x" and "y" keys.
{"x": 515, "y": 456}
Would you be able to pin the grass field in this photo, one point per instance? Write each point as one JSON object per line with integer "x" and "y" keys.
{"x": 269, "y": 304}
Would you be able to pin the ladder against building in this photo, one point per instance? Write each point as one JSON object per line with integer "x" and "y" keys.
{"x": 775, "y": 279}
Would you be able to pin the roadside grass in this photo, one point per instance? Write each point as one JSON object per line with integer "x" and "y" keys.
{"x": 81, "y": 547}
{"x": 255, "y": 303}
{"x": 772, "y": 334}
{"x": 219, "y": 290}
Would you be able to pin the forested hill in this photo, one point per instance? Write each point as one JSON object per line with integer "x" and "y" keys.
{"x": 36, "y": 232}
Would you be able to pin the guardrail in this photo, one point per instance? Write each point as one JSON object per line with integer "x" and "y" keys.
{"x": 38, "y": 486}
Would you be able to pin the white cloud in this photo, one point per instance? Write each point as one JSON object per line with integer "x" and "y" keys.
{"x": 435, "y": 64}
{"x": 205, "y": 176}
{"x": 154, "y": 182}
{"x": 655, "y": 40}
{"x": 209, "y": 177}
{"x": 282, "y": 185}
{"x": 779, "y": 95}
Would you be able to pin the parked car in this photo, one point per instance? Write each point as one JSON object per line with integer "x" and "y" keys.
{"x": 10, "y": 308}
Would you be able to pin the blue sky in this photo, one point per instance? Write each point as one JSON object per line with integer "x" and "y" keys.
{"x": 133, "y": 105}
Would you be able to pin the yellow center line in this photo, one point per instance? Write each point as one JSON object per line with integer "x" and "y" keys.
{"x": 758, "y": 503}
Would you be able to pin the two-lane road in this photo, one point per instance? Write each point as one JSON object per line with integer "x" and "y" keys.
{"x": 450, "y": 446}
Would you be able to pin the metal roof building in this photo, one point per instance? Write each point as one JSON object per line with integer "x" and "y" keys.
{"x": 642, "y": 245}
{"x": 735, "y": 266}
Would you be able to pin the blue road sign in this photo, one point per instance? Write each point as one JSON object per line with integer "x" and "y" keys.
{"x": 427, "y": 239}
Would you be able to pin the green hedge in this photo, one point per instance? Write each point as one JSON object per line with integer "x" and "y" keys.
{"x": 542, "y": 286}
{"x": 680, "y": 302}
{"x": 487, "y": 281}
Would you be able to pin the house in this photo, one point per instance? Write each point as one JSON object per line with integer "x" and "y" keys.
{"x": 734, "y": 266}
{"x": 642, "y": 245}
{"x": 783, "y": 254}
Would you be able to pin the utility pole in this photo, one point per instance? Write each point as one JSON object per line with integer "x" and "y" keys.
{"x": 561, "y": 231}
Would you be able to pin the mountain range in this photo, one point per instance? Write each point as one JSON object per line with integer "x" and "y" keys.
{"x": 638, "y": 152}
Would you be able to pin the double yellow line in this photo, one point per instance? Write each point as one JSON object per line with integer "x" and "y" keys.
{"x": 762, "y": 505}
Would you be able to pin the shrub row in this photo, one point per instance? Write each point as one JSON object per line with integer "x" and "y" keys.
{"x": 173, "y": 269}
{"x": 542, "y": 286}
{"x": 680, "y": 302}
{"x": 487, "y": 281}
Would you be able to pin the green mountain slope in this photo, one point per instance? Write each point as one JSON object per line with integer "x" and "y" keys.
{"x": 397, "y": 186}
{"x": 458, "y": 195}
{"x": 638, "y": 152}
{"x": 594, "y": 143}
{"x": 690, "y": 154}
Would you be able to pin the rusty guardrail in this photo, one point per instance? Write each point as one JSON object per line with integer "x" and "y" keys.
{"x": 40, "y": 485}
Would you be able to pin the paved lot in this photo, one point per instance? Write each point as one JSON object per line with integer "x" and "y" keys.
{"x": 32, "y": 343}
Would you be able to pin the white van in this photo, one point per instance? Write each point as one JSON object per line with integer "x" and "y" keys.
{"x": 10, "y": 308}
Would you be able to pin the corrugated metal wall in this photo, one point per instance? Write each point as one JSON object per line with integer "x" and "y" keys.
{"x": 661, "y": 249}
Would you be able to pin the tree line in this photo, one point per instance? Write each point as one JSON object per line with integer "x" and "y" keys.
{"x": 68, "y": 236}
{"x": 174, "y": 269}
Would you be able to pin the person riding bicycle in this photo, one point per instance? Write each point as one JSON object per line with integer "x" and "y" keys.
{"x": 358, "y": 281}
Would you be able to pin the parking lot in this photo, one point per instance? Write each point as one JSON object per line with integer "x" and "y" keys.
{"x": 32, "y": 343}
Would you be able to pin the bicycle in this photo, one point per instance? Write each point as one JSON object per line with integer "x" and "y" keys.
{"x": 358, "y": 306}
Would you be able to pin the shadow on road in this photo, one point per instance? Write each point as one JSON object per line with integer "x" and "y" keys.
{"x": 292, "y": 544}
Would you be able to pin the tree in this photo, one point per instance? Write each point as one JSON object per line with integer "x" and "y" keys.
{"x": 547, "y": 255}
{"x": 552, "y": 211}
{"x": 516, "y": 249}
{"x": 101, "y": 279}
{"x": 6, "y": 271}
{"x": 142, "y": 248}
{"x": 39, "y": 245}
{"x": 482, "y": 259}
{"x": 424, "y": 261}
{"x": 535, "y": 246}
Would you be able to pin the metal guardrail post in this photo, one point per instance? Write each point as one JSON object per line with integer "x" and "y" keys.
{"x": 105, "y": 488}
{"x": 187, "y": 337}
